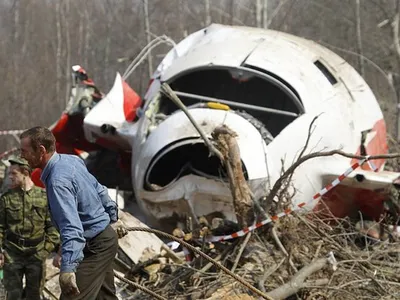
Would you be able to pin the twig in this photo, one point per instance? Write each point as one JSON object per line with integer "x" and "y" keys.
{"x": 215, "y": 263}
{"x": 386, "y": 264}
{"x": 142, "y": 265}
{"x": 171, "y": 254}
{"x": 219, "y": 256}
{"x": 309, "y": 134}
{"x": 268, "y": 273}
{"x": 135, "y": 285}
{"x": 279, "y": 243}
{"x": 363, "y": 281}
{"x": 246, "y": 240}
{"x": 278, "y": 184}
{"x": 317, "y": 282}
{"x": 389, "y": 282}
{"x": 320, "y": 243}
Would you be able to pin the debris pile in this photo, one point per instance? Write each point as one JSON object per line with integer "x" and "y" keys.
{"x": 296, "y": 257}
{"x": 304, "y": 256}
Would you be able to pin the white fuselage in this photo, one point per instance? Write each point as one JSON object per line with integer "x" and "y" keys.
{"x": 319, "y": 82}
{"x": 345, "y": 108}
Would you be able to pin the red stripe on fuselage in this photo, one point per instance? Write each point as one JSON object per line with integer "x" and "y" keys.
{"x": 377, "y": 145}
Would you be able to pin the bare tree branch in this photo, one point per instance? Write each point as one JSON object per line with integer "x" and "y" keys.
{"x": 147, "y": 29}
{"x": 298, "y": 281}
{"x": 265, "y": 14}
{"x": 359, "y": 40}
{"x": 278, "y": 184}
{"x": 207, "y": 12}
{"x": 166, "y": 89}
{"x": 395, "y": 31}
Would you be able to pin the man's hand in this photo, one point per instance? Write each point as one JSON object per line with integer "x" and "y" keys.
{"x": 57, "y": 260}
{"x": 1, "y": 260}
{"x": 68, "y": 284}
{"x": 120, "y": 229}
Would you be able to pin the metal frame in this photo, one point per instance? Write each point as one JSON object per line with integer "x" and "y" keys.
{"x": 282, "y": 86}
{"x": 238, "y": 104}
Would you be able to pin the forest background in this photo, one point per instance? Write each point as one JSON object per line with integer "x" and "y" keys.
{"x": 41, "y": 39}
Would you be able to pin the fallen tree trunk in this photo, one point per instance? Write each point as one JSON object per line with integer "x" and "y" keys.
{"x": 242, "y": 196}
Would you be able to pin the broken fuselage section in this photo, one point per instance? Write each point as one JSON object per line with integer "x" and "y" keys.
{"x": 176, "y": 175}
{"x": 273, "y": 85}
{"x": 267, "y": 87}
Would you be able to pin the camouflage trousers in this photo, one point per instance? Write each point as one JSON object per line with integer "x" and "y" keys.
{"x": 15, "y": 268}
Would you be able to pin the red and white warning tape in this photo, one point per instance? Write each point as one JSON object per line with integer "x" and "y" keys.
{"x": 11, "y": 132}
{"x": 293, "y": 208}
{"x": 371, "y": 164}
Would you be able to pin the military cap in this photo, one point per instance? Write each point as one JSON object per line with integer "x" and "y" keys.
{"x": 19, "y": 161}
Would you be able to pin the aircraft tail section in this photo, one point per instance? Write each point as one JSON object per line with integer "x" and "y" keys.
{"x": 106, "y": 124}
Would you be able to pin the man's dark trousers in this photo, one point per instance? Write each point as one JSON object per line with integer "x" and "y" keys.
{"x": 95, "y": 274}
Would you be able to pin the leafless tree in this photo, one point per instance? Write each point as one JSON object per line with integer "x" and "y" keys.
{"x": 359, "y": 39}
{"x": 40, "y": 40}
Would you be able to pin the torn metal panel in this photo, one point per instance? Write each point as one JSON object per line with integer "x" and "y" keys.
{"x": 109, "y": 119}
{"x": 166, "y": 171}
{"x": 367, "y": 179}
{"x": 138, "y": 245}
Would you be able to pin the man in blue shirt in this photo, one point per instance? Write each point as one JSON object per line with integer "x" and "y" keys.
{"x": 82, "y": 212}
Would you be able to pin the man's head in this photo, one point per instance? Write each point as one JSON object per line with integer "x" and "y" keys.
{"x": 37, "y": 146}
{"x": 20, "y": 172}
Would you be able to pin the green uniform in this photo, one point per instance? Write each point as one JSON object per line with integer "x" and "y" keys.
{"x": 27, "y": 236}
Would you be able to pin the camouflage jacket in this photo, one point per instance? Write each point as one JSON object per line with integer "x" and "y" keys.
{"x": 26, "y": 214}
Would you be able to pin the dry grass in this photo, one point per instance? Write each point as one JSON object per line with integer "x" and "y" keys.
{"x": 365, "y": 269}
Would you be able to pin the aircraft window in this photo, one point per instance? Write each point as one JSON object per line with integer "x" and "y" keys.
{"x": 257, "y": 90}
{"x": 326, "y": 72}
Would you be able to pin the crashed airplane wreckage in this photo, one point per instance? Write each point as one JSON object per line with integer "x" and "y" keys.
{"x": 228, "y": 110}
{"x": 267, "y": 88}
{"x": 278, "y": 95}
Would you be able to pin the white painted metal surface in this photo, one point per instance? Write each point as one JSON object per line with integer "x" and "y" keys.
{"x": 213, "y": 194}
{"x": 109, "y": 111}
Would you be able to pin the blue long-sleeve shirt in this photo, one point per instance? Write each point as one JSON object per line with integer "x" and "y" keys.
{"x": 80, "y": 206}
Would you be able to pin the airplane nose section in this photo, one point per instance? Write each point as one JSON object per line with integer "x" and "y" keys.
{"x": 175, "y": 149}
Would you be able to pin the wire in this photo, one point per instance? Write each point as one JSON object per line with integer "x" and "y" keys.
{"x": 163, "y": 39}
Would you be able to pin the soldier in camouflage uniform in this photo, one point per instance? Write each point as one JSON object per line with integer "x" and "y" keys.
{"x": 27, "y": 235}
